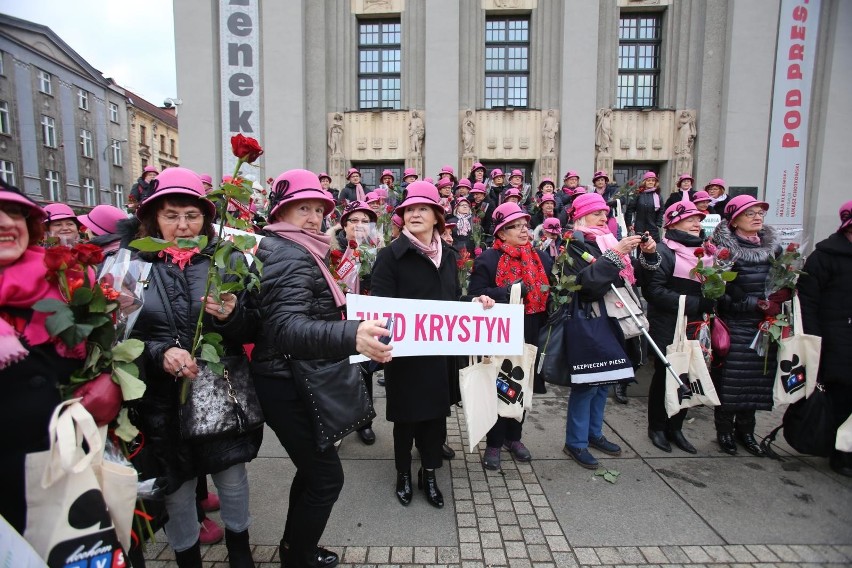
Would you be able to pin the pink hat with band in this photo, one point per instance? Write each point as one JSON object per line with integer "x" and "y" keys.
{"x": 103, "y": 219}
{"x": 177, "y": 181}
{"x": 58, "y": 211}
{"x": 587, "y": 203}
{"x": 445, "y": 183}
{"x": 324, "y": 175}
{"x": 684, "y": 177}
{"x": 677, "y": 212}
{"x": 409, "y": 172}
{"x": 516, "y": 173}
{"x": 354, "y": 206}
{"x": 845, "y": 215}
{"x": 477, "y": 166}
{"x": 150, "y": 170}
{"x": 546, "y": 180}
{"x": 649, "y": 175}
{"x": 429, "y": 180}
{"x": 11, "y": 194}
{"x": 513, "y": 192}
{"x": 548, "y": 198}
{"x": 478, "y": 187}
{"x": 507, "y": 213}
{"x": 349, "y": 172}
{"x": 739, "y": 204}
{"x": 598, "y": 175}
{"x": 464, "y": 182}
{"x": 298, "y": 185}
{"x": 496, "y": 172}
{"x": 387, "y": 173}
{"x": 718, "y": 181}
{"x": 381, "y": 192}
{"x": 372, "y": 197}
{"x": 422, "y": 192}
{"x": 448, "y": 170}
{"x": 462, "y": 199}
{"x": 397, "y": 221}
{"x": 206, "y": 178}
{"x": 552, "y": 225}
{"x": 571, "y": 174}
{"x": 701, "y": 196}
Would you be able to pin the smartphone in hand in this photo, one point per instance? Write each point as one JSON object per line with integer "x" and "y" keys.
{"x": 372, "y": 366}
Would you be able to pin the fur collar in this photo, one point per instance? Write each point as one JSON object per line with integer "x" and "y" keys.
{"x": 744, "y": 251}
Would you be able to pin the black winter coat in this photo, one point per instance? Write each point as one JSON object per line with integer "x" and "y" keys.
{"x": 642, "y": 215}
{"x": 156, "y": 414}
{"x": 140, "y": 191}
{"x": 677, "y": 195}
{"x": 350, "y": 193}
{"x": 827, "y": 306}
{"x": 740, "y": 379}
{"x": 719, "y": 207}
{"x": 418, "y": 388}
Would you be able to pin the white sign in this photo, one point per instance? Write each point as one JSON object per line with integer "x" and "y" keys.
{"x": 791, "y": 106}
{"x": 239, "y": 68}
{"x": 429, "y": 327}
{"x": 709, "y": 224}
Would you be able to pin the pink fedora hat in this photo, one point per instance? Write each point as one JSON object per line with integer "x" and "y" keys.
{"x": 546, "y": 180}
{"x": 464, "y": 182}
{"x": 387, "y": 173}
{"x": 206, "y": 178}
{"x": 684, "y": 177}
{"x": 598, "y": 175}
{"x": 677, "y": 212}
{"x": 297, "y": 185}
{"x": 478, "y": 187}
{"x": 845, "y": 215}
{"x": 477, "y": 166}
{"x": 507, "y": 213}
{"x": 444, "y": 183}
{"x": 103, "y": 219}
{"x": 348, "y": 173}
{"x": 397, "y": 221}
{"x": 354, "y": 206}
{"x": 177, "y": 181}
{"x": 548, "y": 198}
{"x": 649, "y": 175}
{"x": 514, "y": 192}
{"x": 701, "y": 196}
{"x": 58, "y": 211}
{"x": 740, "y": 203}
{"x": 324, "y": 175}
{"x": 718, "y": 181}
{"x": 571, "y": 174}
{"x": 372, "y": 197}
{"x": 150, "y": 169}
{"x": 552, "y": 225}
{"x": 587, "y": 203}
{"x": 11, "y": 194}
{"x": 409, "y": 172}
{"x": 422, "y": 192}
{"x": 496, "y": 172}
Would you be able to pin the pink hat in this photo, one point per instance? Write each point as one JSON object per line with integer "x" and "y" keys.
{"x": 354, "y": 206}
{"x": 397, "y": 221}
{"x": 718, "y": 181}
{"x": 548, "y": 197}
{"x": 150, "y": 169}
{"x": 513, "y": 192}
{"x": 58, "y": 211}
{"x": 103, "y": 219}
{"x": 409, "y": 172}
{"x": 387, "y": 173}
{"x": 845, "y": 215}
{"x": 477, "y": 166}
{"x": 571, "y": 174}
{"x": 649, "y": 175}
{"x": 324, "y": 175}
{"x": 11, "y": 194}
{"x": 677, "y": 212}
{"x": 448, "y": 170}
{"x": 462, "y": 199}
{"x": 464, "y": 182}
{"x": 587, "y": 203}
{"x": 450, "y": 222}
{"x": 429, "y": 180}
{"x": 496, "y": 172}
{"x": 372, "y": 197}
{"x": 478, "y": 187}
{"x": 684, "y": 177}
{"x": 739, "y": 204}
{"x": 517, "y": 173}
{"x": 297, "y": 185}
{"x": 348, "y": 173}
{"x": 206, "y": 178}
{"x": 701, "y": 196}
{"x": 445, "y": 183}
{"x": 423, "y": 192}
{"x": 507, "y": 213}
{"x": 598, "y": 175}
{"x": 381, "y": 192}
{"x": 177, "y": 181}
{"x": 552, "y": 225}
{"x": 546, "y": 180}
{"x": 579, "y": 190}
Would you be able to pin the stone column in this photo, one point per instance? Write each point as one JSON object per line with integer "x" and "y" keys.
{"x": 442, "y": 85}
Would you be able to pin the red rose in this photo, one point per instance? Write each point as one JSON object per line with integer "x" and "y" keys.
{"x": 477, "y": 251}
{"x": 477, "y": 220}
{"x": 724, "y": 254}
{"x": 631, "y": 183}
{"x": 389, "y": 208}
{"x": 699, "y": 252}
{"x": 110, "y": 293}
{"x": 245, "y": 148}
{"x": 89, "y": 254}
{"x": 568, "y": 235}
{"x": 59, "y": 258}
{"x": 353, "y": 244}
{"x": 792, "y": 247}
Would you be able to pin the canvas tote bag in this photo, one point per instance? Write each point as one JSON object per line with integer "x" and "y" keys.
{"x": 515, "y": 375}
{"x": 798, "y": 362}
{"x": 476, "y": 383}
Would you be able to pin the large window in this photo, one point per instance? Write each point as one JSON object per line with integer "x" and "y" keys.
{"x": 86, "y": 143}
{"x": 639, "y": 38}
{"x": 113, "y": 112}
{"x": 115, "y": 147}
{"x": 83, "y": 99}
{"x": 379, "y": 63}
{"x": 5, "y": 119}
{"x": 118, "y": 189}
{"x": 507, "y": 62}
{"x": 48, "y": 131}
{"x": 44, "y": 82}
{"x": 52, "y": 179}
{"x": 90, "y": 194}
{"x": 7, "y": 171}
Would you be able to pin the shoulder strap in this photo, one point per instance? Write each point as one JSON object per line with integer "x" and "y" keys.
{"x": 167, "y": 306}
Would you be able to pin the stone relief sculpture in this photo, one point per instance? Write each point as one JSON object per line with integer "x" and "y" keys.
{"x": 376, "y": 5}
{"x": 548, "y": 133}
{"x": 335, "y": 135}
{"x": 468, "y": 132}
{"x": 685, "y": 141}
{"x": 603, "y": 130}
{"x": 416, "y": 133}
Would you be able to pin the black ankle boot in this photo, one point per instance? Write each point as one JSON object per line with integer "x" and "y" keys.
{"x": 427, "y": 482}
{"x": 321, "y": 558}
{"x": 189, "y": 558}
{"x": 403, "y": 487}
{"x": 620, "y": 393}
{"x": 750, "y": 444}
{"x": 239, "y": 549}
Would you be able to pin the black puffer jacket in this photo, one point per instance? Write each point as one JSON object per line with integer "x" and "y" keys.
{"x": 827, "y": 305}
{"x": 350, "y": 192}
{"x": 156, "y": 414}
{"x": 676, "y": 196}
{"x": 740, "y": 379}
{"x": 642, "y": 215}
{"x": 300, "y": 318}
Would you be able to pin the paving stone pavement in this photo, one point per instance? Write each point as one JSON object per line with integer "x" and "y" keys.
{"x": 664, "y": 509}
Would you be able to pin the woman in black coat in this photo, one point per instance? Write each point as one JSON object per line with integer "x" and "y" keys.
{"x": 663, "y": 288}
{"x": 827, "y": 312}
{"x": 644, "y": 210}
{"x": 744, "y": 379}
{"x": 420, "y": 390}
{"x": 301, "y": 307}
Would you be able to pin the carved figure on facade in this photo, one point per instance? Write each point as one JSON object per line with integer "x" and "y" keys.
{"x": 685, "y": 136}
{"x": 603, "y": 130}
{"x": 549, "y": 130}
{"x": 335, "y": 135}
{"x": 416, "y": 133}
{"x": 468, "y": 132}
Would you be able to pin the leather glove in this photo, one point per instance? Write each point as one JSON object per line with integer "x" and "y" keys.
{"x": 101, "y": 397}
{"x": 706, "y": 305}
{"x": 769, "y": 307}
{"x": 781, "y": 295}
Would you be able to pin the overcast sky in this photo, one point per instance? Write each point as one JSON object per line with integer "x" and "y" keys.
{"x": 131, "y": 41}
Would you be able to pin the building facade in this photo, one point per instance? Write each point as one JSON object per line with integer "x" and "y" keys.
{"x": 674, "y": 86}
{"x": 153, "y": 134}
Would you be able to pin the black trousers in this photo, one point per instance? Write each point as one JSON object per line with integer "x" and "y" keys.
{"x": 368, "y": 380}
{"x": 657, "y": 417}
{"x": 729, "y": 421}
{"x": 504, "y": 430}
{"x": 429, "y": 435}
{"x": 319, "y": 475}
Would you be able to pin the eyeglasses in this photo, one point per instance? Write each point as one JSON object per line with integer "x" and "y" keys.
{"x": 15, "y": 211}
{"x": 517, "y": 226}
{"x": 174, "y": 218}
{"x": 751, "y": 214}
{"x": 357, "y": 221}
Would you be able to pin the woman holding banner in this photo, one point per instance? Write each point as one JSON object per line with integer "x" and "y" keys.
{"x": 513, "y": 259}
{"x": 419, "y": 265}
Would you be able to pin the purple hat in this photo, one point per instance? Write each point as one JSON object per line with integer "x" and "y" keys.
{"x": 496, "y": 172}
{"x": 464, "y": 182}
{"x": 409, "y": 172}
{"x": 206, "y": 178}
{"x": 387, "y": 173}
{"x": 684, "y": 177}
{"x": 845, "y": 215}
{"x": 587, "y": 203}
{"x": 546, "y": 180}
{"x": 649, "y": 175}
{"x": 513, "y": 192}
{"x": 177, "y": 181}
{"x": 150, "y": 169}
{"x": 372, "y": 197}
{"x": 11, "y": 194}
{"x": 517, "y": 173}
{"x": 444, "y": 183}
{"x": 103, "y": 219}
{"x": 701, "y": 196}
{"x": 478, "y": 187}
{"x": 571, "y": 174}
{"x": 548, "y": 198}
{"x": 507, "y": 213}
{"x": 297, "y": 185}
{"x": 324, "y": 175}
{"x": 718, "y": 181}
{"x": 354, "y": 206}
{"x": 677, "y": 212}
{"x": 397, "y": 221}
{"x": 598, "y": 175}
{"x": 58, "y": 211}
{"x": 348, "y": 173}
{"x": 423, "y": 192}
{"x": 739, "y": 204}
{"x": 429, "y": 180}
{"x": 552, "y": 225}
{"x": 477, "y": 166}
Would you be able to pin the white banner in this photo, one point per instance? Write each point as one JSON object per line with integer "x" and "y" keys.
{"x": 791, "y": 105}
{"x": 428, "y": 327}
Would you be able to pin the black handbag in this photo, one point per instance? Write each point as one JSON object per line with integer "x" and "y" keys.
{"x": 809, "y": 426}
{"x": 594, "y": 348}
{"x": 552, "y": 360}
{"x": 337, "y": 396}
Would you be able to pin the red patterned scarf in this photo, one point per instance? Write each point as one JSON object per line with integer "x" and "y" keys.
{"x": 523, "y": 263}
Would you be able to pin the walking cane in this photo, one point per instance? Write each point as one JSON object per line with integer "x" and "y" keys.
{"x": 682, "y": 387}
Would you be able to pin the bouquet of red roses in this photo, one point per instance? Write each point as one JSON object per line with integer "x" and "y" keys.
{"x": 465, "y": 266}
{"x": 713, "y": 278}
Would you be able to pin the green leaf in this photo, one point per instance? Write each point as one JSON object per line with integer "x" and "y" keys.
{"x": 126, "y": 375}
{"x": 93, "y": 357}
{"x": 125, "y": 429}
{"x": 208, "y": 353}
{"x": 222, "y": 256}
{"x": 50, "y": 305}
{"x": 244, "y": 242}
{"x": 200, "y": 242}
{"x": 729, "y": 276}
{"x": 127, "y": 351}
{"x": 235, "y": 286}
{"x": 545, "y": 288}
{"x": 99, "y": 301}
{"x": 81, "y": 297}
{"x": 150, "y": 244}
{"x": 217, "y": 368}
{"x": 59, "y": 322}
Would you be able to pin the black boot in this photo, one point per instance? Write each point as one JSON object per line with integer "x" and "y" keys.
{"x": 620, "y": 393}
{"x": 189, "y": 558}
{"x": 239, "y": 549}
{"x": 841, "y": 462}
{"x": 658, "y": 438}
{"x": 750, "y": 444}
{"x": 403, "y": 487}
{"x": 427, "y": 482}
{"x": 680, "y": 441}
{"x": 726, "y": 442}
{"x": 447, "y": 452}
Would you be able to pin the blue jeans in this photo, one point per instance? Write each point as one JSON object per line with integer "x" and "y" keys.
{"x": 182, "y": 527}
{"x": 585, "y": 415}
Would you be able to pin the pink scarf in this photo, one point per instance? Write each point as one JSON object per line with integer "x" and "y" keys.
{"x": 433, "y": 251}
{"x": 656, "y": 191}
{"x": 318, "y": 246}
{"x": 753, "y": 239}
{"x": 685, "y": 259}
{"x": 359, "y": 192}
{"x": 606, "y": 241}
